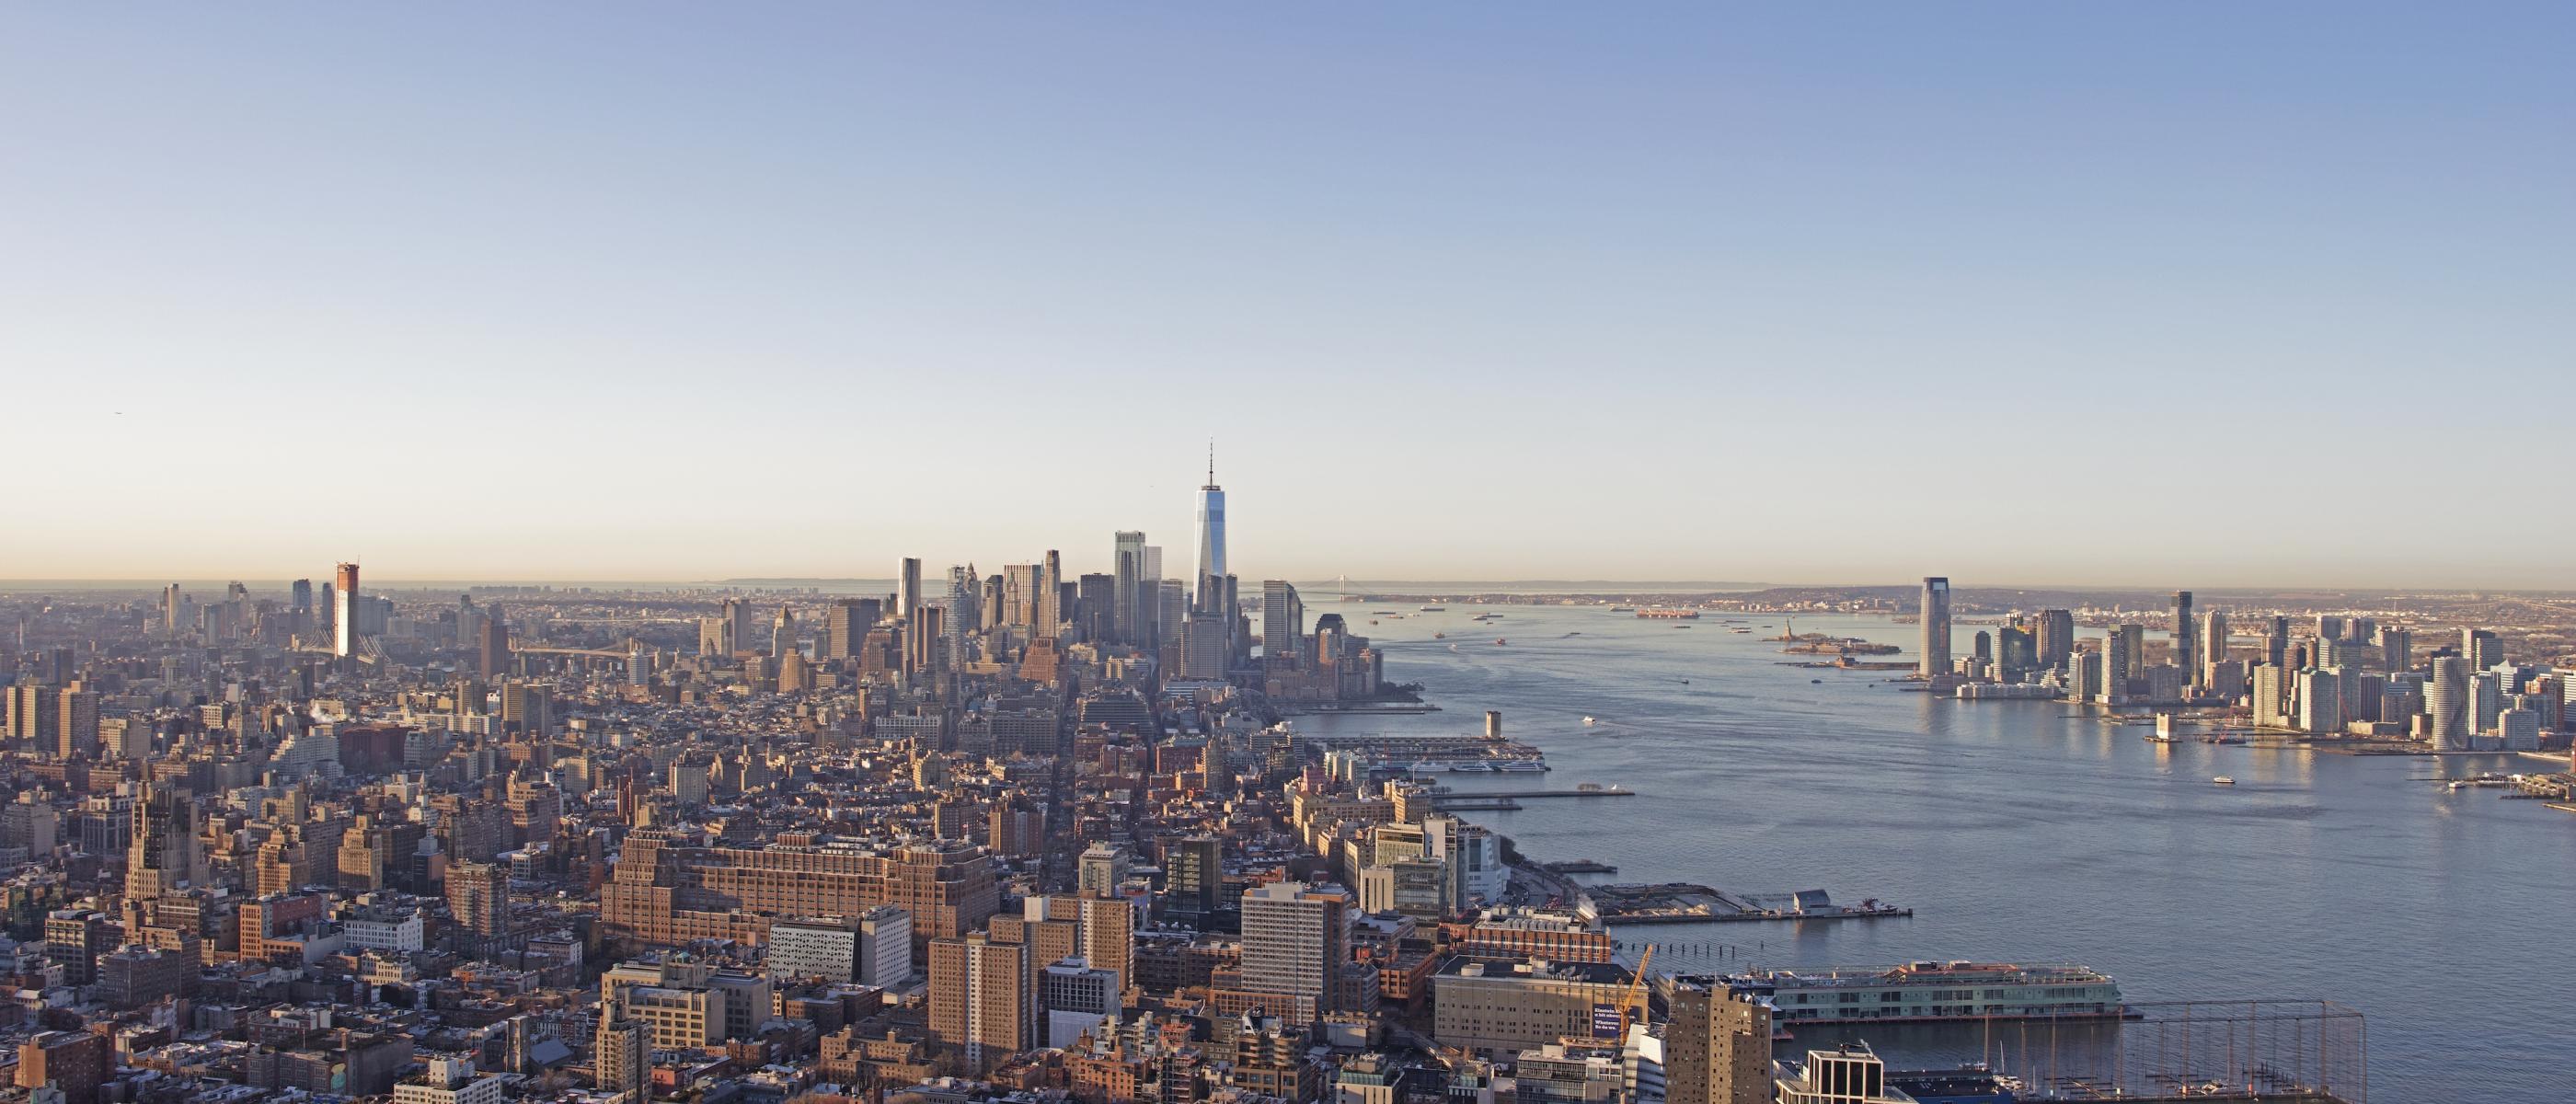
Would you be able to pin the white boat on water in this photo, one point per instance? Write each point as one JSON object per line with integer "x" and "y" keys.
{"x": 1589, "y": 720}
{"x": 2223, "y": 780}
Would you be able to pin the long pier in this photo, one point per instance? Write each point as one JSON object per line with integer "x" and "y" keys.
{"x": 1691, "y": 903}
{"x": 1445, "y": 798}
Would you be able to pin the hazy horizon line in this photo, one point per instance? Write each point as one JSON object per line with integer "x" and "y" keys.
{"x": 1711, "y": 585}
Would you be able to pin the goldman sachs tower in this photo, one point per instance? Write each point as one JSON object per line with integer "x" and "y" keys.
{"x": 1211, "y": 532}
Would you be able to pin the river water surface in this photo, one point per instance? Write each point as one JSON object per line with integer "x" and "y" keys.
{"x": 2017, "y": 831}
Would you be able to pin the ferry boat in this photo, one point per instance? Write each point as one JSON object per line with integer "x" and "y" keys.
{"x": 2222, "y": 780}
{"x": 1668, "y": 612}
{"x": 1430, "y": 609}
{"x": 1929, "y": 991}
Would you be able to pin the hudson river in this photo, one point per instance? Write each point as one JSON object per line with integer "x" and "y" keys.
{"x": 2018, "y": 832}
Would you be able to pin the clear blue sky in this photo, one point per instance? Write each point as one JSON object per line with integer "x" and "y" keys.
{"x": 2171, "y": 294}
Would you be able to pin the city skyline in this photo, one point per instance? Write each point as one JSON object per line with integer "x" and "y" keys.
{"x": 1781, "y": 295}
{"x": 655, "y": 553}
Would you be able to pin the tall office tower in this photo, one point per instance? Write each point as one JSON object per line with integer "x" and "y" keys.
{"x": 921, "y": 640}
{"x": 2016, "y": 652}
{"x": 2396, "y": 649}
{"x": 164, "y": 848}
{"x": 2320, "y": 701}
{"x": 2056, "y": 637}
{"x": 299, "y": 604}
{"x": 1128, "y": 564}
{"x": 1717, "y": 1048}
{"x": 1167, "y": 609}
{"x": 2481, "y": 648}
{"x": 782, "y": 632}
{"x": 2213, "y": 645}
{"x": 1295, "y": 940}
{"x": 170, "y": 610}
{"x": 2446, "y": 702}
{"x": 2486, "y": 699}
{"x": 621, "y": 1054}
{"x": 329, "y": 611}
{"x": 2271, "y": 688}
{"x": 2186, "y": 645}
{"x": 344, "y": 620}
{"x": 745, "y": 619}
{"x": 1021, "y": 585}
{"x": 908, "y": 589}
{"x": 1283, "y": 626}
{"x": 1935, "y": 614}
{"x": 2361, "y": 630}
{"x": 2115, "y": 666}
{"x": 965, "y": 593}
{"x": 492, "y": 646}
{"x": 2136, "y": 636}
{"x": 2329, "y": 626}
{"x": 1050, "y": 597}
{"x": 851, "y": 620}
{"x": 991, "y": 604}
{"x": 981, "y": 1003}
{"x": 1095, "y": 606}
{"x": 1211, "y": 531}
{"x": 1151, "y": 563}
{"x": 76, "y": 732}
{"x": 478, "y": 895}
{"x": 1207, "y": 644}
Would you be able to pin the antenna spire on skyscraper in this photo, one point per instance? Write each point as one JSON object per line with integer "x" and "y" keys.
{"x": 1211, "y": 462}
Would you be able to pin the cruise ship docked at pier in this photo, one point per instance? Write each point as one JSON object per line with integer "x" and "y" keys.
{"x": 1926, "y": 991}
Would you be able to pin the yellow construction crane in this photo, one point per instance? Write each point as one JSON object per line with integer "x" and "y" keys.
{"x": 1636, "y": 987}
{"x": 1636, "y": 990}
